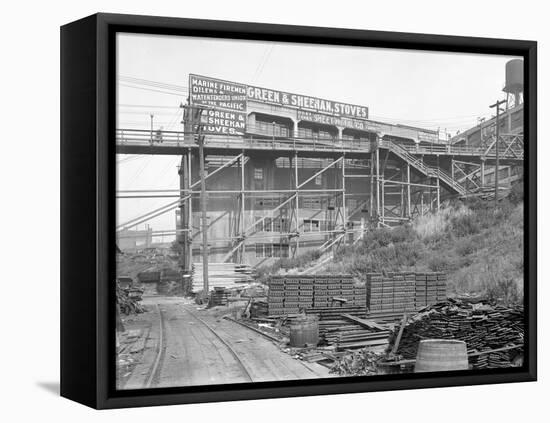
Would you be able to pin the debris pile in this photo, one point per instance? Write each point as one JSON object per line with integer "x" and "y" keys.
{"x": 128, "y": 300}
{"x": 258, "y": 309}
{"x": 483, "y": 327}
{"x": 357, "y": 363}
{"x": 290, "y": 294}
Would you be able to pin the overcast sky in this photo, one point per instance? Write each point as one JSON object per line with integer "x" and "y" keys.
{"x": 427, "y": 89}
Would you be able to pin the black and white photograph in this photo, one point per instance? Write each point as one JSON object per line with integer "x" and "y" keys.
{"x": 290, "y": 211}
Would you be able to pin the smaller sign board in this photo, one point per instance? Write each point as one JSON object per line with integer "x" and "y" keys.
{"x": 225, "y": 112}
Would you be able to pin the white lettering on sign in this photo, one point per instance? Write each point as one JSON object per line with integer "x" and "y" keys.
{"x": 302, "y": 102}
{"x": 227, "y": 105}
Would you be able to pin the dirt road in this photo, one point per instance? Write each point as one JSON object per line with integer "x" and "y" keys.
{"x": 188, "y": 346}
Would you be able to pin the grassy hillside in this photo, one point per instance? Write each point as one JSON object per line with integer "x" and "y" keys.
{"x": 480, "y": 248}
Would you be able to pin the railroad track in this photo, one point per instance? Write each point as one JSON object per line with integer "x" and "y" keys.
{"x": 242, "y": 366}
{"x": 161, "y": 349}
{"x": 156, "y": 368}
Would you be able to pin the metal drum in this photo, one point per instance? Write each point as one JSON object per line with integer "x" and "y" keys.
{"x": 304, "y": 332}
{"x": 437, "y": 355}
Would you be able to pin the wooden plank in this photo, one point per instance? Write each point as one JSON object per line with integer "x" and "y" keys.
{"x": 400, "y": 334}
{"x": 369, "y": 324}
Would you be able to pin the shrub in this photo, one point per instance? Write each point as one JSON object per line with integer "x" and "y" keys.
{"x": 464, "y": 225}
{"x": 516, "y": 194}
{"x": 504, "y": 290}
{"x": 378, "y": 238}
{"x": 466, "y": 246}
{"x": 475, "y": 203}
{"x": 438, "y": 264}
{"x": 402, "y": 233}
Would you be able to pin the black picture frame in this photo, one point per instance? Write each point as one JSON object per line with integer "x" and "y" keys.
{"x": 88, "y": 208}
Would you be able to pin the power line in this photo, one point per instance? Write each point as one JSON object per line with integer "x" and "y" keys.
{"x": 139, "y": 81}
{"x": 151, "y": 89}
{"x": 148, "y": 106}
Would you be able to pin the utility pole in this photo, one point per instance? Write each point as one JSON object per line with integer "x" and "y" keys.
{"x": 204, "y": 226}
{"x": 497, "y": 130}
{"x": 195, "y": 113}
{"x": 183, "y": 236}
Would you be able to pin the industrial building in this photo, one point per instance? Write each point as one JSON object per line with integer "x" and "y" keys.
{"x": 288, "y": 173}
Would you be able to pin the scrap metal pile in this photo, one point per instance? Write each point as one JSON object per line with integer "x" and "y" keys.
{"x": 484, "y": 328}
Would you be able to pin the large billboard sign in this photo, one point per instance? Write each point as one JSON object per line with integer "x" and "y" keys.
{"x": 306, "y": 103}
{"x": 225, "y": 103}
{"x": 226, "y": 109}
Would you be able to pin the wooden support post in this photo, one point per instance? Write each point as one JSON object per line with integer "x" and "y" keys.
{"x": 190, "y": 210}
{"x": 403, "y": 204}
{"x": 409, "y": 190}
{"x": 438, "y": 194}
{"x": 382, "y": 200}
{"x": 241, "y": 229}
{"x": 453, "y": 164}
{"x": 371, "y": 206}
{"x": 297, "y": 202}
{"x": 377, "y": 182}
{"x": 344, "y": 213}
{"x": 482, "y": 171}
{"x": 422, "y": 202}
{"x": 430, "y": 197}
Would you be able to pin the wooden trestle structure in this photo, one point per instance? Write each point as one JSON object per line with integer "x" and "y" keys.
{"x": 401, "y": 181}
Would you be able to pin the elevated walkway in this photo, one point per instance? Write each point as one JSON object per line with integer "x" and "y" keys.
{"x": 136, "y": 141}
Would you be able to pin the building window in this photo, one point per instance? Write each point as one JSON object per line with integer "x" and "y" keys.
{"x": 268, "y": 224}
{"x": 268, "y": 250}
{"x": 284, "y": 250}
{"x": 280, "y": 224}
{"x": 352, "y": 204}
{"x": 311, "y": 225}
{"x": 319, "y": 179}
{"x": 259, "y": 250}
{"x": 311, "y": 203}
{"x": 259, "y": 225}
{"x": 258, "y": 173}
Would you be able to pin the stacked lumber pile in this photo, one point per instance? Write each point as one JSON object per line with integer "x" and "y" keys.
{"x": 346, "y": 328}
{"x": 430, "y": 288}
{"x": 222, "y": 275}
{"x": 218, "y": 297}
{"x": 290, "y": 294}
{"x": 483, "y": 327}
{"x": 396, "y": 293}
{"x": 128, "y": 302}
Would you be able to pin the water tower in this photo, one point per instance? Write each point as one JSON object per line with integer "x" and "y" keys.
{"x": 514, "y": 83}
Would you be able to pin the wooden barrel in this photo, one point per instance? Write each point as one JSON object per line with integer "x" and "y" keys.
{"x": 437, "y": 355}
{"x": 304, "y": 332}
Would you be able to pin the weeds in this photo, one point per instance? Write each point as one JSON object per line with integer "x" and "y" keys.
{"x": 480, "y": 249}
